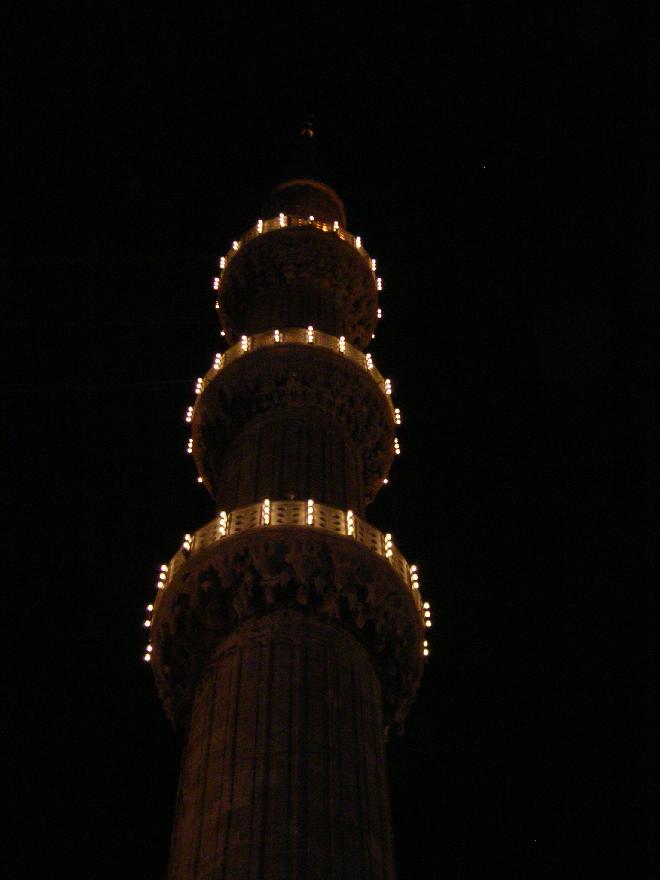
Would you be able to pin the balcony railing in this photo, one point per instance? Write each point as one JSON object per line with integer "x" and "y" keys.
{"x": 303, "y": 514}
{"x": 297, "y": 336}
{"x": 283, "y": 221}
{"x": 268, "y": 514}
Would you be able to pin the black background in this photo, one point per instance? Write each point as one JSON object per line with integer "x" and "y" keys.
{"x": 498, "y": 161}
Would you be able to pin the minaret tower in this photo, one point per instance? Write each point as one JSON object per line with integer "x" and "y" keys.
{"x": 288, "y": 634}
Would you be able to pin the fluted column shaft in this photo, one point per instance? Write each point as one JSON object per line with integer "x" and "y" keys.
{"x": 283, "y": 773}
{"x": 292, "y": 454}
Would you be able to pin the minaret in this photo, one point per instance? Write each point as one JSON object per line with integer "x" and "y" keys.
{"x": 288, "y": 634}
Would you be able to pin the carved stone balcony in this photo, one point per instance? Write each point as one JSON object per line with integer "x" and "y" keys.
{"x": 283, "y": 372}
{"x": 288, "y": 554}
{"x": 298, "y": 270}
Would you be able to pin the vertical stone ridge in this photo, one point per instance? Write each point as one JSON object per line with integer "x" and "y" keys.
{"x": 284, "y": 455}
{"x": 281, "y": 774}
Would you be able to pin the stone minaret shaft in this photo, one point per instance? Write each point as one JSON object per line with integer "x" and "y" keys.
{"x": 287, "y": 635}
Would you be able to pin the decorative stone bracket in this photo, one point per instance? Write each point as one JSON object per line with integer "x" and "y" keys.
{"x": 253, "y": 574}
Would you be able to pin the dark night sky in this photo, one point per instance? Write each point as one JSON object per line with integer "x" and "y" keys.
{"x": 498, "y": 161}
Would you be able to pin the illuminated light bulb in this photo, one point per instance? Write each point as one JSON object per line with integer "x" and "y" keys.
{"x": 358, "y": 242}
{"x": 260, "y": 226}
{"x": 244, "y": 343}
{"x": 397, "y": 416}
{"x": 385, "y": 481}
{"x": 427, "y": 613}
{"x": 149, "y": 649}
{"x": 388, "y": 544}
{"x": 147, "y": 623}
{"x": 150, "y": 607}
{"x": 282, "y": 220}
{"x": 427, "y": 623}
{"x": 222, "y": 524}
{"x": 426, "y": 605}
{"x": 217, "y": 304}
{"x": 350, "y": 523}
{"x": 199, "y": 385}
{"x": 189, "y": 414}
{"x": 380, "y": 313}
{"x": 311, "y": 217}
{"x": 342, "y": 344}
{"x": 163, "y": 575}
{"x": 223, "y": 262}
{"x": 397, "y": 448}
{"x": 199, "y": 480}
{"x": 373, "y": 265}
{"x": 234, "y": 244}
{"x": 277, "y": 336}
{"x": 310, "y": 334}
{"x": 160, "y": 585}
{"x": 189, "y": 447}
{"x": 163, "y": 567}
{"x": 217, "y": 362}
{"x": 413, "y": 568}
{"x": 335, "y": 226}
{"x": 426, "y": 652}
{"x": 388, "y": 386}
{"x": 265, "y": 511}
{"x": 216, "y": 283}
{"x": 310, "y": 512}
{"x": 222, "y": 333}
{"x": 147, "y": 658}
{"x": 426, "y": 644}
{"x": 368, "y": 362}
{"x": 373, "y": 335}
{"x": 379, "y": 283}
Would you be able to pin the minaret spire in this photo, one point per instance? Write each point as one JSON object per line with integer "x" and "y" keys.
{"x": 288, "y": 634}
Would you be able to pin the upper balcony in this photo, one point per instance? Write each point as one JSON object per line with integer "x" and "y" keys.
{"x": 293, "y": 271}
